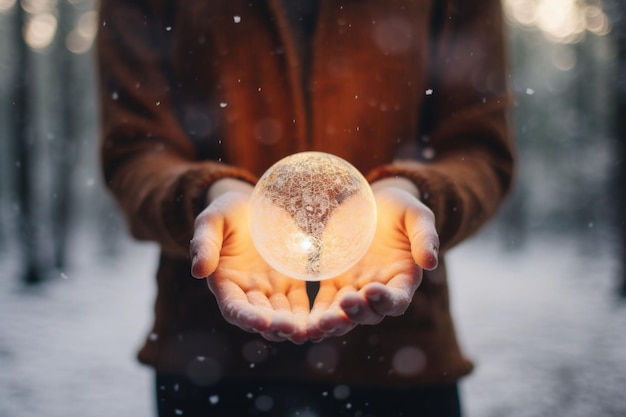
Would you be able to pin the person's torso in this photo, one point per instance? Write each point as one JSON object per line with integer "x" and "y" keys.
{"x": 355, "y": 90}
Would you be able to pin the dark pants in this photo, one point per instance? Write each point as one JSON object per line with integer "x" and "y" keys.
{"x": 177, "y": 396}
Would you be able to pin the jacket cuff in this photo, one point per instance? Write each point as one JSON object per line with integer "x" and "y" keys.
{"x": 187, "y": 198}
{"x": 436, "y": 192}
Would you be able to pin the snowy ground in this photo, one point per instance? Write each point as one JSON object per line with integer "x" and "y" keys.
{"x": 543, "y": 324}
{"x": 545, "y": 328}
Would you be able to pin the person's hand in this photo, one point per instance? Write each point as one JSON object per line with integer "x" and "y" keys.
{"x": 384, "y": 281}
{"x": 250, "y": 294}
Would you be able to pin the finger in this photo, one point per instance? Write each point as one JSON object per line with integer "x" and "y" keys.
{"x": 299, "y": 300}
{"x": 420, "y": 226}
{"x": 279, "y": 302}
{"x": 394, "y": 298}
{"x": 327, "y": 304}
{"x": 325, "y": 296}
{"x": 259, "y": 299}
{"x": 327, "y": 318}
{"x": 319, "y": 324}
{"x": 283, "y": 323}
{"x": 358, "y": 309}
{"x": 335, "y": 322}
{"x": 300, "y": 337}
{"x": 284, "y": 320}
{"x": 285, "y": 326}
{"x": 246, "y": 316}
{"x": 206, "y": 244}
{"x": 236, "y": 307}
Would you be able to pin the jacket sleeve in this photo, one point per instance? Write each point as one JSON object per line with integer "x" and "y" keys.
{"x": 148, "y": 161}
{"x": 467, "y": 163}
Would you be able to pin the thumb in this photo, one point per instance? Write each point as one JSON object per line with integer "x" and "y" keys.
{"x": 206, "y": 244}
{"x": 420, "y": 226}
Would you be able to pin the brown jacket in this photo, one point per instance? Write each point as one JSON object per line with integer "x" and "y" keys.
{"x": 193, "y": 91}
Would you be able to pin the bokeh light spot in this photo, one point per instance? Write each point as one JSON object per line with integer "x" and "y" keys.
{"x": 408, "y": 361}
{"x": 40, "y": 30}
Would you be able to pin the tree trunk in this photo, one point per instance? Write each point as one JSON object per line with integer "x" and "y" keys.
{"x": 620, "y": 111}
{"x": 618, "y": 13}
{"x": 24, "y": 143}
{"x": 65, "y": 143}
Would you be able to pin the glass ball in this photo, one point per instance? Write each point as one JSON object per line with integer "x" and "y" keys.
{"x": 312, "y": 216}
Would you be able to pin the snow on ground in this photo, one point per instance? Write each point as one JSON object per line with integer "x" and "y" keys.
{"x": 543, "y": 325}
{"x": 67, "y": 349}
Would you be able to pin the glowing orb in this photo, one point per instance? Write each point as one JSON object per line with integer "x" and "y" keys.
{"x": 312, "y": 216}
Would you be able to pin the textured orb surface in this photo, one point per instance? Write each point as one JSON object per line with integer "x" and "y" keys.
{"x": 312, "y": 216}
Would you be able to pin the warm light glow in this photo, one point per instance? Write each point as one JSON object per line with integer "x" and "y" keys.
{"x": 306, "y": 244}
{"x": 312, "y": 216}
{"x": 40, "y": 30}
{"x": 562, "y": 21}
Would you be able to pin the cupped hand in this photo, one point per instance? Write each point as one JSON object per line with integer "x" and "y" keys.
{"x": 384, "y": 281}
{"x": 250, "y": 294}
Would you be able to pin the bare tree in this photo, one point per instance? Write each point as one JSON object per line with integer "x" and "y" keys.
{"x": 617, "y": 12}
{"x": 65, "y": 144}
{"x": 23, "y": 140}
{"x": 620, "y": 111}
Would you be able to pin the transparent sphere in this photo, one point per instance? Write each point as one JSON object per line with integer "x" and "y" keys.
{"x": 312, "y": 216}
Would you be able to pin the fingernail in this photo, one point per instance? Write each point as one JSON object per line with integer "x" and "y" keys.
{"x": 353, "y": 310}
{"x": 374, "y": 297}
{"x": 435, "y": 257}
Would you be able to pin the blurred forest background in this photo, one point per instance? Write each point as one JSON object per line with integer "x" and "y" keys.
{"x": 568, "y": 65}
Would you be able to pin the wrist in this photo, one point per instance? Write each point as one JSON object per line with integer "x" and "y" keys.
{"x": 224, "y": 185}
{"x": 401, "y": 183}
